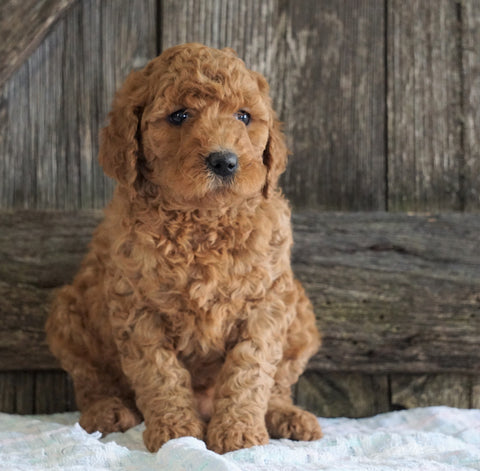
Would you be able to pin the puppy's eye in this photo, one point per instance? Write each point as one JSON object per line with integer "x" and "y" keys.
{"x": 243, "y": 116}
{"x": 178, "y": 117}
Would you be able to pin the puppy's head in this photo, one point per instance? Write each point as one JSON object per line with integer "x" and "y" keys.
{"x": 194, "y": 127}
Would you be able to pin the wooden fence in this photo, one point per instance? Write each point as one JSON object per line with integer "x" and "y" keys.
{"x": 381, "y": 105}
{"x": 380, "y": 99}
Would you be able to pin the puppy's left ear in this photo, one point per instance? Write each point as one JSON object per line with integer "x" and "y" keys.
{"x": 276, "y": 152}
{"x": 120, "y": 140}
{"x": 274, "y": 157}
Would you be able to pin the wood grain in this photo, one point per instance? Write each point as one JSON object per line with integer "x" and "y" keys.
{"x": 39, "y": 252}
{"x": 53, "y": 392}
{"x": 23, "y": 25}
{"x": 17, "y": 392}
{"x": 343, "y": 394}
{"x": 334, "y": 108}
{"x": 469, "y": 13}
{"x": 51, "y": 109}
{"x": 325, "y": 394}
{"x": 253, "y": 29}
{"x": 409, "y": 391}
{"x": 379, "y": 99}
{"x": 475, "y": 402}
{"x": 424, "y": 105}
{"x": 392, "y": 292}
{"x": 36, "y": 392}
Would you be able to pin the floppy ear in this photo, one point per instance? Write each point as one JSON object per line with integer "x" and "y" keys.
{"x": 120, "y": 144}
{"x": 274, "y": 157}
{"x": 275, "y": 153}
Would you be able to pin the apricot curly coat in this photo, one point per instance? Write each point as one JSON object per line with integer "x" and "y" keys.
{"x": 185, "y": 311}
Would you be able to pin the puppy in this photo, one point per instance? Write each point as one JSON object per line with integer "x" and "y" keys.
{"x": 185, "y": 311}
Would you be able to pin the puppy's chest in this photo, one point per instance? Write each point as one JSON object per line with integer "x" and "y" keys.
{"x": 207, "y": 264}
{"x": 207, "y": 283}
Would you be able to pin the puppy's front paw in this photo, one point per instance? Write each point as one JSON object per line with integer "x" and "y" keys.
{"x": 222, "y": 437}
{"x": 159, "y": 432}
{"x": 109, "y": 415}
{"x": 294, "y": 423}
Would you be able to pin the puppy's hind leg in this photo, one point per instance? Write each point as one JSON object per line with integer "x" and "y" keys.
{"x": 285, "y": 420}
{"x": 102, "y": 393}
{"x": 106, "y": 406}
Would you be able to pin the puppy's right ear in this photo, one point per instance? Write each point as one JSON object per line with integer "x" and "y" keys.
{"x": 120, "y": 144}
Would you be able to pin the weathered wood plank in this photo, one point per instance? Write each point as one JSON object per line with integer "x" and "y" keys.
{"x": 36, "y": 392}
{"x": 325, "y": 57}
{"x": 39, "y": 251}
{"x": 409, "y": 391}
{"x": 7, "y": 392}
{"x": 424, "y": 109}
{"x": 343, "y": 394}
{"x": 334, "y": 108}
{"x": 23, "y": 25}
{"x": 17, "y": 392}
{"x": 392, "y": 292}
{"x": 51, "y": 109}
{"x": 325, "y": 394}
{"x": 253, "y": 29}
{"x": 53, "y": 392}
{"x": 469, "y": 13}
{"x": 475, "y": 402}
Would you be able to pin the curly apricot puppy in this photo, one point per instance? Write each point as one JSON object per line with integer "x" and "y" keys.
{"x": 185, "y": 311}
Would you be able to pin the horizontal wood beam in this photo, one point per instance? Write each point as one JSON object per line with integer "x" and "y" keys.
{"x": 393, "y": 293}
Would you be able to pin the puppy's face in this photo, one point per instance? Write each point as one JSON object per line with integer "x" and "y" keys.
{"x": 205, "y": 132}
{"x": 204, "y": 129}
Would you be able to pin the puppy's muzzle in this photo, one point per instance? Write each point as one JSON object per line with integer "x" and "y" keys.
{"x": 224, "y": 163}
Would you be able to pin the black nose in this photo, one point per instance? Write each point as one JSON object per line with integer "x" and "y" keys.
{"x": 223, "y": 164}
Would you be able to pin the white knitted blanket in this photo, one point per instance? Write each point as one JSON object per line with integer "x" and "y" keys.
{"x": 435, "y": 438}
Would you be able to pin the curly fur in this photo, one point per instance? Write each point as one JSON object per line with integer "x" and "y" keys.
{"x": 185, "y": 311}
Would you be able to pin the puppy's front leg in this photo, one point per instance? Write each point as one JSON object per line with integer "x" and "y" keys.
{"x": 161, "y": 383}
{"x": 243, "y": 391}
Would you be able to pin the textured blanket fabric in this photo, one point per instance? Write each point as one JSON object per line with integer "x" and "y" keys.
{"x": 435, "y": 438}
